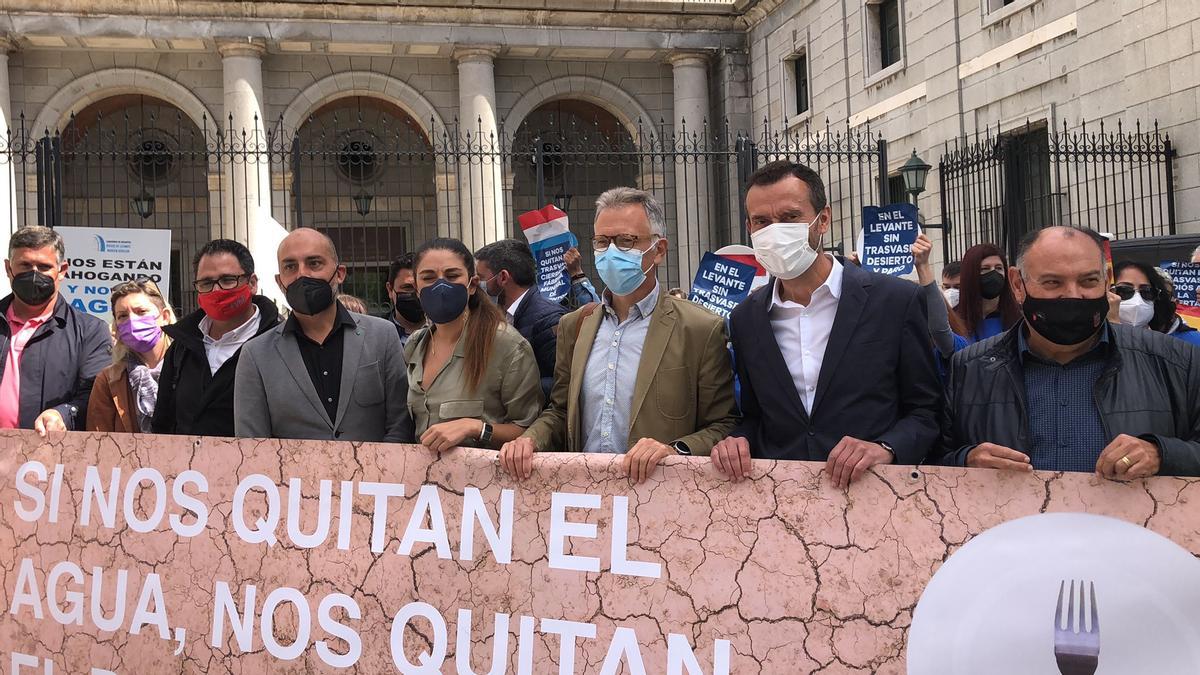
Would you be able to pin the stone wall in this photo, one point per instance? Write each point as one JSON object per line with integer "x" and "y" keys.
{"x": 37, "y": 75}
{"x": 966, "y": 70}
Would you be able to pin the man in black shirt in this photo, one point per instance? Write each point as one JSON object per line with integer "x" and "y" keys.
{"x": 353, "y": 386}
{"x": 323, "y": 360}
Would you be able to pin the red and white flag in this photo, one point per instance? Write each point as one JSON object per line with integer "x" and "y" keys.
{"x": 549, "y": 237}
{"x": 745, "y": 255}
{"x": 545, "y": 223}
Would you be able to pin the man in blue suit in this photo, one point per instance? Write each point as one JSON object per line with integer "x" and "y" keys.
{"x": 509, "y": 276}
{"x": 834, "y": 362}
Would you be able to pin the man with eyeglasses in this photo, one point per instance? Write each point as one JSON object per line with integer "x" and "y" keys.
{"x": 651, "y": 377}
{"x": 195, "y": 392}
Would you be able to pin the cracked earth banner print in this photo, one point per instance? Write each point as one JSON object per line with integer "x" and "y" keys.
{"x": 158, "y": 554}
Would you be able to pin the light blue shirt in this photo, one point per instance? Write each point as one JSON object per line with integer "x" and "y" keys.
{"x": 611, "y": 373}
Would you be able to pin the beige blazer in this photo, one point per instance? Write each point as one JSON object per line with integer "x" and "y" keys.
{"x": 684, "y": 386}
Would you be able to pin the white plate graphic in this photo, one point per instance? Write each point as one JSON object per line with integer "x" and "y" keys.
{"x": 990, "y": 609}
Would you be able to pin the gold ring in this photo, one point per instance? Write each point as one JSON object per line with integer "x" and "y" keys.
{"x": 1127, "y": 461}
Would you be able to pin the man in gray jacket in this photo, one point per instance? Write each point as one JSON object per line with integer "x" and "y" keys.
{"x": 1065, "y": 390}
{"x": 325, "y": 373}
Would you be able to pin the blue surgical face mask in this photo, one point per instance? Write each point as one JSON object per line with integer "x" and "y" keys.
{"x": 496, "y": 297}
{"x": 621, "y": 271}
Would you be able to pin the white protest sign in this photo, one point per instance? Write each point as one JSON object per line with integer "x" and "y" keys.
{"x": 102, "y": 257}
{"x": 264, "y": 242}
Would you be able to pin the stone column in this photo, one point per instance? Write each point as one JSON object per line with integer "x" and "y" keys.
{"x": 446, "y": 187}
{"x": 8, "y": 179}
{"x": 246, "y": 181}
{"x": 480, "y": 180}
{"x": 693, "y": 180}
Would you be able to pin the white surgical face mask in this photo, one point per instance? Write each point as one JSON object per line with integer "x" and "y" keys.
{"x": 951, "y": 296}
{"x": 783, "y": 249}
{"x": 1136, "y": 312}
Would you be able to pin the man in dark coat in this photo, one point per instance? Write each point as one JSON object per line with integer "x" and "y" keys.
{"x": 195, "y": 389}
{"x": 509, "y": 273}
{"x": 834, "y": 361}
{"x": 50, "y": 352}
{"x": 1065, "y": 390}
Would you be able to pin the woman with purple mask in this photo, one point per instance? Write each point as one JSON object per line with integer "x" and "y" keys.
{"x": 124, "y": 393}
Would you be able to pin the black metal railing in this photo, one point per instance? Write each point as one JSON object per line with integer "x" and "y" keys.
{"x": 380, "y": 187}
{"x": 996, "y": 188}
{"x": 853, "y": 166}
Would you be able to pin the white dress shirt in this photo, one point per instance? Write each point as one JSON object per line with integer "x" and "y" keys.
{"x": 803, "y": 332}
{"x": 218, "y": 351}
{"x": 516, "y": 304}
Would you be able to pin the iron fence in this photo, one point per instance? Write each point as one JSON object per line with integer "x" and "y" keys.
{"x": 381, "y": 185}
{"x": 999, "y": 187}
{"x": 852, "y": 164}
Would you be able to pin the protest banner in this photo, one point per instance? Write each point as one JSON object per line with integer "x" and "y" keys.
{"x": 1186, "y": 278}
{"x": 550, "y": 237}
{"x": 102, "y": 257}
{"x": 888, "y": 233}
{"x": 163, "y": 554}
{"x": 745, "y": 255}
{"x": 721, "y": 283}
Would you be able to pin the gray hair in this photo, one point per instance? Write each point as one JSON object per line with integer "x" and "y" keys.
{"x": 627, "y": 196}
{"x": 35, "y": 236}
{"x": 1196, "y": 253}
{"x": 1066, "y": 230}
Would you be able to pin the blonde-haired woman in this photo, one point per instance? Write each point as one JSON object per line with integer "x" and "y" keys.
{"x": 124, "y": 393}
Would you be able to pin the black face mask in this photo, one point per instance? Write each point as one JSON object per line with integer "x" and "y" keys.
{"x": 408, "y": 306}
{"x": 33, "y": 288}
{"x": 309, "y": 296}
{"x": 991, "y": 284}
{"x": 1065, "y": 321}
{"x": 444, "y": 301}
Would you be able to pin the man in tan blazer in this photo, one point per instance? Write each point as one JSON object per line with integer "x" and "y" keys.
{"x": 651, "y": 376}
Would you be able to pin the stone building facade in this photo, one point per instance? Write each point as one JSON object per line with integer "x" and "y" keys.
{"x": 355, "y": 75}
{"x": 974, "y": 68}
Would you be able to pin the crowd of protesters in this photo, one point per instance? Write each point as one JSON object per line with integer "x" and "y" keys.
{"x": 1053, "y": 362}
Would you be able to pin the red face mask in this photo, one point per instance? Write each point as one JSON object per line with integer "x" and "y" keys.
{"x": 222, "y": 305}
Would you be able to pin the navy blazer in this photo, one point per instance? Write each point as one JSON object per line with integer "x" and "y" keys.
{"x": 536, "y": 320}
{"x": 878, "y": 381}
{"x": 60, "y": 363}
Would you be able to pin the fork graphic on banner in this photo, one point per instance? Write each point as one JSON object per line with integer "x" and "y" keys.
{"x": 1076, "y": 645}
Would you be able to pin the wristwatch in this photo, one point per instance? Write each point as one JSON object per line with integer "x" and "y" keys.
{"x": 681, "y": 448}
{"x": 485, "y": 436}
{"x": 888, "y": 447}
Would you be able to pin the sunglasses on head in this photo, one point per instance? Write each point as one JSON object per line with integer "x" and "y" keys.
{"x": 1126, "y": 291}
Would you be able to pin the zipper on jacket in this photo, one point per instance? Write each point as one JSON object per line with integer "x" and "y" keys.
{"x": 1110, "y": 372}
